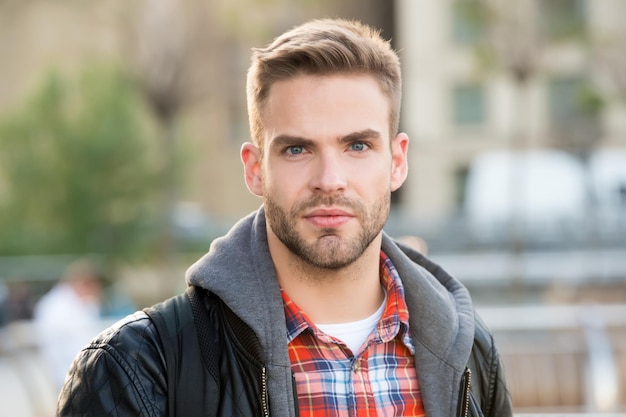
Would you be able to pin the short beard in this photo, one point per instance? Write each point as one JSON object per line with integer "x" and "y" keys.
{"x": 329, "y": 251}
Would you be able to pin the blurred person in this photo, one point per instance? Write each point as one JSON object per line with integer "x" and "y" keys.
{"x": 67, "y": 317}
{"x": 307, "y": 308}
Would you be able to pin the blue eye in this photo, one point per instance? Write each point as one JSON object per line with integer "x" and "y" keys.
{"x": 358, "y": 146}
{"x": 295, "y": 150}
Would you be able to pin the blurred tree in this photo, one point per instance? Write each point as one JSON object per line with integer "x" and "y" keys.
{"x": 169, "y": 52}
{"x": 77, "y": 172}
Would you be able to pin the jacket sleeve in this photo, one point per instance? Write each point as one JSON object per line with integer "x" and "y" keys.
{"x": 490, "y": 388}
{"x": 120, "y": 373}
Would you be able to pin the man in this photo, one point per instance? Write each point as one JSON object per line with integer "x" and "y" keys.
{"x": 328, "y": 315}
{"x": 68, "y": 316}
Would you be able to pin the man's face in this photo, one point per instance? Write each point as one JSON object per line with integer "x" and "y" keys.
{"x": 328, "y": 168}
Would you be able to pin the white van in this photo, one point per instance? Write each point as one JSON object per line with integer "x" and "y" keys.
{"x": 541, "y": 194}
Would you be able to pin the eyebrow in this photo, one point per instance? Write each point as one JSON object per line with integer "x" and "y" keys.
{"x": 281, "y": 141}
{"x": 288, "y": 140}
{"x": 369, "y": 134}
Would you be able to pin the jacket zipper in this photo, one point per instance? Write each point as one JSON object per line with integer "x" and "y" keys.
{"x": 266, "y": 411}
{"x": 466, "y": 382}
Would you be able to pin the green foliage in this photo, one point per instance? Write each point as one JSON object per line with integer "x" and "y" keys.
{"x": 77, "y": 172}
{"x": 591, "y": 100}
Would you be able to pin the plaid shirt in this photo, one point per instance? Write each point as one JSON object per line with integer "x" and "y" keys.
{"x": 380, "y": 380}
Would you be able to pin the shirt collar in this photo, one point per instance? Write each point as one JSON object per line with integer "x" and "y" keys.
{"x": 395, "y": 318}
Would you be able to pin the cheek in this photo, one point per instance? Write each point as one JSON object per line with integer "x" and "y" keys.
{"x": 284, "y": 179}
{"x": 374, "y": 176}
{"x": 278, "y": 186}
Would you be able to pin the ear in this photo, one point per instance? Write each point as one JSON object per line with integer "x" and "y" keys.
{"x": 399, "y": 163}
{"x": 251, "y": 159}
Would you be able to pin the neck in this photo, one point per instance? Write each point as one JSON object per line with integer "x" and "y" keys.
{"x": 330, "y": 296}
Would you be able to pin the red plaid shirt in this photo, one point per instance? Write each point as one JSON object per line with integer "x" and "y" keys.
{"x": 379, "y": 381}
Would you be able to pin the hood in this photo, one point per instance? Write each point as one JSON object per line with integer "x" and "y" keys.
{"x": 238, "y": 268}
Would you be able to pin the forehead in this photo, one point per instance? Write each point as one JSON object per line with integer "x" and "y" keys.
{"x": 332, "y": 105}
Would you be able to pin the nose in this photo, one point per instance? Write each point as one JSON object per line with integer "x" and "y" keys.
{"x": 329, "y": 174}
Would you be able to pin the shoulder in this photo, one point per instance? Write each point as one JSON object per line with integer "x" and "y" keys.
{"x": 484, "y": 358}
{"x": 124, "y": 360}
{"x": 134, "y": 334}
{"x": 488, "y": 378}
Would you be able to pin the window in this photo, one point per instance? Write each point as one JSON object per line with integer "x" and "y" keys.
{"x": 560, "y": 19}
{"x": 469, "y": 21}
{"x": 574, "y": 109}
{"x": 468, "y": 104}
{"x": 571, "y": 98}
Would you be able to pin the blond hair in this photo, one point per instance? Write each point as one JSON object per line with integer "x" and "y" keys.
{"x": 323, "y": 47}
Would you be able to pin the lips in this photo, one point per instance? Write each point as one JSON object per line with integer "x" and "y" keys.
{"x": 328, "y": 218}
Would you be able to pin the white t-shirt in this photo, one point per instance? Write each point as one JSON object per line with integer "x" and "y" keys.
{"x": 354, "y": 333}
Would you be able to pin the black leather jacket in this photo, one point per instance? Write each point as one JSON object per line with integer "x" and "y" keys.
{"x": 122, "y": 373}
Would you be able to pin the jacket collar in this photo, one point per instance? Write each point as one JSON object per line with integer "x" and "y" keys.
{"x": 442, "y": 326}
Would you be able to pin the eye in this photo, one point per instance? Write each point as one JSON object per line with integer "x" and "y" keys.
{"x": 294, "y": 150}
{"x": 359, "y": 146}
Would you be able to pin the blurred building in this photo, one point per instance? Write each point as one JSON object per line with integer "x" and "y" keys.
{"x": 513, "y": 77}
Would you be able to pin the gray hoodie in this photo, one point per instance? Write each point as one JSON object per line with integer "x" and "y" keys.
{"x": 239, "y": 269}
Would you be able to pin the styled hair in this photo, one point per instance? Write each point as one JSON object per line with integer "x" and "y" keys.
{"x": 323, "y": 47}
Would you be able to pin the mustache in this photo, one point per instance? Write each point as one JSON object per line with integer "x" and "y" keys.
{"x": 340, "y": 201}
